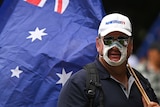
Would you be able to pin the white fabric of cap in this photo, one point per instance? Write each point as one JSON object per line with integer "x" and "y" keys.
{"x": 115, "y": 22}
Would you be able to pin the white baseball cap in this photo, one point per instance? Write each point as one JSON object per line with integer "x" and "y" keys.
{"x": 115, "y": 22}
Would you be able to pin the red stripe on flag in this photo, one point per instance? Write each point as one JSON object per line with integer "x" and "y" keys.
{"x": 35, "y": 2}
{"x": 59, "y": 9}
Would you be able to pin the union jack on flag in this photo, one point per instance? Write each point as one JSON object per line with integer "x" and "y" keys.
{"x": 39, "y": 3}
{"x": 59, "y": 7}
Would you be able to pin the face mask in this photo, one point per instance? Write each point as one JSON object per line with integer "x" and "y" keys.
{"x": 122, "y": 49}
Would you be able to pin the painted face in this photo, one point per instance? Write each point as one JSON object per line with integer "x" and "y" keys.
{"x": 115, "y": 51}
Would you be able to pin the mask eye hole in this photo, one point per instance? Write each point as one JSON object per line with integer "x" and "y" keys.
{"x": 123, "y": 40}
{"x": 108, "y": 40}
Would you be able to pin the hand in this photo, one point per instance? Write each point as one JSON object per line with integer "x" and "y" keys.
{"x": 151, "y": 104}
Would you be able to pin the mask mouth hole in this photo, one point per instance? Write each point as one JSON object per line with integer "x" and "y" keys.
{"x": 114, "y": 54}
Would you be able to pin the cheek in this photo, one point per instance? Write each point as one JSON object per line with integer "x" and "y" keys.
{"x": 129, "y": 51}
{"x": 101, "y": 49}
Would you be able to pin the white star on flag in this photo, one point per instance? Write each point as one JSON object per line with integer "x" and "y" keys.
{"x": 37, "y": 34}
{"x": 63, "y": 77}
{"x": 16, "y": 72}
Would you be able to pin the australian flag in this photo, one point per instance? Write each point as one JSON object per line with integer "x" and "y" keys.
{"x": 42, "y": 43}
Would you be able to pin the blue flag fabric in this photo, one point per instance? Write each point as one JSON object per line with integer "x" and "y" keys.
{"x": 152, "y": 36}
{"x": 5, "y": 11}
{"x": 41, "y": 48}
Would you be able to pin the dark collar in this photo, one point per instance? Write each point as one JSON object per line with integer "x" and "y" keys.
{"x": 104, "y": 74}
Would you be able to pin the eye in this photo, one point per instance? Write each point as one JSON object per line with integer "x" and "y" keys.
{"x": 108, "y": 40}
{"x": 123, "y": 40}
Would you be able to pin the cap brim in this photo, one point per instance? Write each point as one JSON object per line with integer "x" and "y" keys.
{"x": 115, "y": 29}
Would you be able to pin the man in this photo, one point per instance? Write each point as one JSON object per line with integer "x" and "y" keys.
{"x": 114, "y": 45}
{"x": 151, "y": 67}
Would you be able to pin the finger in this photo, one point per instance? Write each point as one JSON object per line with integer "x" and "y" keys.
{"x": 153, "y": 104}
{"x": 144, "y": 102}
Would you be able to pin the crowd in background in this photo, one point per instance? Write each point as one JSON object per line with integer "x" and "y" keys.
{"x": 149, "y": 66}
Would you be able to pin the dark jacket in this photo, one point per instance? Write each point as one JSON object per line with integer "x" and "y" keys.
{"x": 73, "y": 93}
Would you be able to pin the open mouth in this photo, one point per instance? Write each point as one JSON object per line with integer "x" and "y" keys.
{"x": 114, "y": 54}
